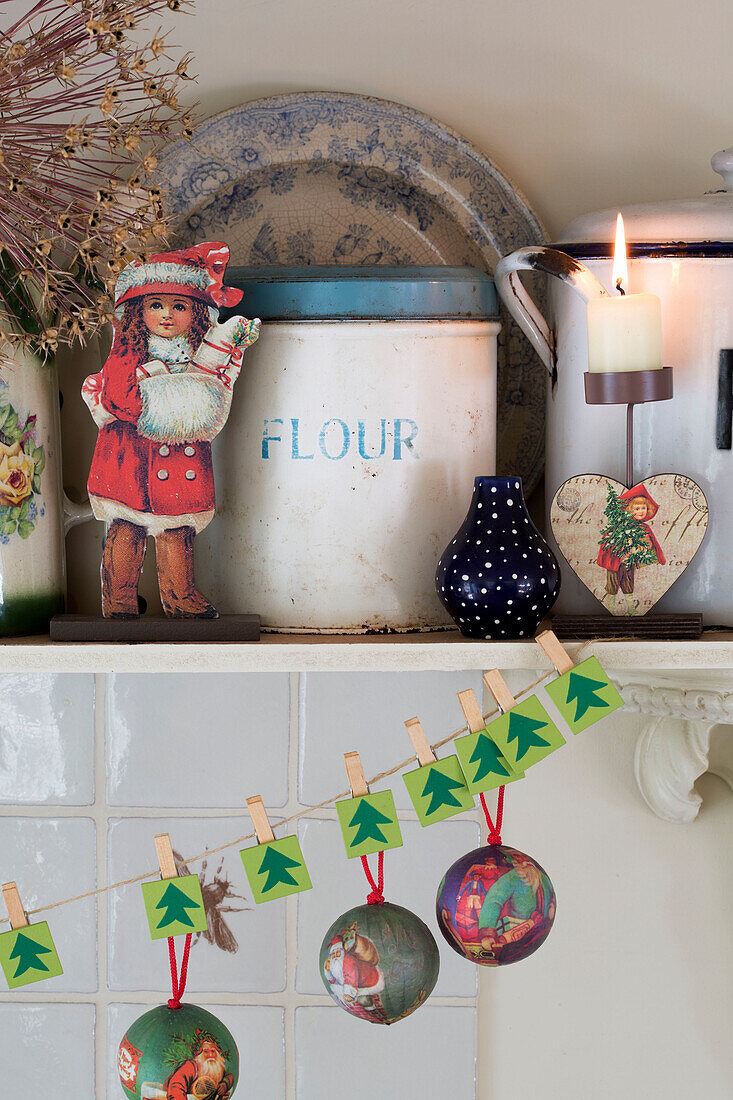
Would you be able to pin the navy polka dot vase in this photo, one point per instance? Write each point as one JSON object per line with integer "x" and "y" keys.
{"x": 498, "y": 577}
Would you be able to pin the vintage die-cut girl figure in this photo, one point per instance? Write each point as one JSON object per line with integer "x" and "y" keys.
{"x": 160, "y": 399}
{"x": 627, "y": 542}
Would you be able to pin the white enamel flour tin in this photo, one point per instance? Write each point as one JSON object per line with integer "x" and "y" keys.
{"x": 350, "y": 452}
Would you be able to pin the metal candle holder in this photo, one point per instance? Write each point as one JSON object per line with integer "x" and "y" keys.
{"x": 634, "y": 387}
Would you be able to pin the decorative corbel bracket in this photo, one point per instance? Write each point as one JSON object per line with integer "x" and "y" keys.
{"x": 690, "y": 732}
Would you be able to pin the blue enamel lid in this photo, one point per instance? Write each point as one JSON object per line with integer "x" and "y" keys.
{"x": 336, "y": 292}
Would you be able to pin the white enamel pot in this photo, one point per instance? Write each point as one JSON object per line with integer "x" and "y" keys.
{"x": 682, "y": 252}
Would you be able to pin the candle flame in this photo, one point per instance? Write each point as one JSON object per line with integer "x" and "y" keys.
{"x": 620, "y": 267}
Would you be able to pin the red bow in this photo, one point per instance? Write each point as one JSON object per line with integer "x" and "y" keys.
{"x": 214, "y": 257}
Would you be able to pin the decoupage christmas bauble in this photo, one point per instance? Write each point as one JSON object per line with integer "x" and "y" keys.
{"x": 495, "y": 905}
{"x": 379, "y": 962}
{"x": 184, "y": 1051}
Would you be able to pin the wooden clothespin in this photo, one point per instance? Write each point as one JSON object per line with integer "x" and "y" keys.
{"x": 471, "y": 710}
{"x": 355, "y": 772}
{"x": 14, "y": 905}
{"x": 420, "y": 743}
{"x": 260, "y": 820}
{"x": 499, "y": 689}
{"x": 553, "y": 648}
{"x": 166, "y": 859}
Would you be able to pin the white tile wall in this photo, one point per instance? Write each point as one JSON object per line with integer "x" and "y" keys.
{"x": 47, "y": 1050}
{"x": 430, "y": 1054}
{"x": 181, "y": 754}
{"x": 191, "y": 724}
{"x": 46, "y": 739}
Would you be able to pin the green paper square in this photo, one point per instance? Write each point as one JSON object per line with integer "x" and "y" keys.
{"x": 369, "y": 824}
{"x": 526, "y": 734}
{"x": 29, "y": 955}
{"x": 174, "y": 906}
{"x": 483, "y": 764}
{"x": 438, "y": 790}
{"x": 276, "y": 869}
{"x": 584, "y": 695}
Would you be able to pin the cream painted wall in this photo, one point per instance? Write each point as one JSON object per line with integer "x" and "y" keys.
{"x": 583, "y": 103}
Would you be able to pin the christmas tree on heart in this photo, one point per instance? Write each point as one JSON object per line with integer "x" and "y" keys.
{"x": 614, "y": 537}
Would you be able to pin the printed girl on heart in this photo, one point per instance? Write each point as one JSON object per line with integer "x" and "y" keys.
{"x": 640, "y": 545}
{"x": 163, "y": 394}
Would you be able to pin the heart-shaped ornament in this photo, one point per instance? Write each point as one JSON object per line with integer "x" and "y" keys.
{"x": 629, "y": 546}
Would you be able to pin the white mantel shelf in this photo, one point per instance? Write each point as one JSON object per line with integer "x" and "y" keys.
{"x": 445, "y": 651}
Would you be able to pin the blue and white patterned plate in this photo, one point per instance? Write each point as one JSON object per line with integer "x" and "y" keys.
{"x": 330, "y": 177}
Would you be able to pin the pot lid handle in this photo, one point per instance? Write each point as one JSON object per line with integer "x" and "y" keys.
{"x": 722, "y": 163}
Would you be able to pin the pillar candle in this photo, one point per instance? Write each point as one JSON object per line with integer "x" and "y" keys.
{"x": 625, "y": 333}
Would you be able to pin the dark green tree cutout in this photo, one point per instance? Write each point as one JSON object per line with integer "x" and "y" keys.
{"x": 175, "y": 903}
{"x": 523, "y": 730}
{"x": 275, "y": 865}
{"x": 367, "y": 819}
{"x": 438, "y": 788}
{"x": 488, "y": 760}
{"x": 28, "y": 953}
{"x": 584, "y": 693}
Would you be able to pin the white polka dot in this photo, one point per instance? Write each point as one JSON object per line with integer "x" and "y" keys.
{"x": 514, "y": 576}
{"x": 483, "y": 591}
{"x": 480, "y": 504}
{"x": 510, "y": 602}
{"x": 464, "y": 576}
{"x": 497, "y": 621}
{"x": 493, "y": 488}
{"x": 494, "y": 515}
{"x": 510, "y": 501}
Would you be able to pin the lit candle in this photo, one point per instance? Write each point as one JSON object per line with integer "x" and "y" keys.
{"x": 624, "y": 330}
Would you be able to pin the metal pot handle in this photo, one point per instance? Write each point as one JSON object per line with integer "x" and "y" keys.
{"x": 519, "y": 303}
{"x": 75, "y": 513}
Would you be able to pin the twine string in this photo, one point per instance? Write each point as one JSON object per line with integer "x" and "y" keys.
{"x": 155, "y": 873}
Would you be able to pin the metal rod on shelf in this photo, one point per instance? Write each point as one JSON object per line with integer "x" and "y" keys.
{"x": 629, "y": 446}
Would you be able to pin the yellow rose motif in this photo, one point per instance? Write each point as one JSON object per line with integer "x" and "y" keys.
{"x": 16, "y": 474}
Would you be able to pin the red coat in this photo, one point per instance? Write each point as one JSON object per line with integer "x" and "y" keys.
{"x": 607, "y": 560}
{"x": 180, "y": 1083}
{"x": 158, "y": 478}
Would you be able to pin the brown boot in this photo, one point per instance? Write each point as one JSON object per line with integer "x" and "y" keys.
{"x": 122, "y": 560}
{"x": 174, "y": 553}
